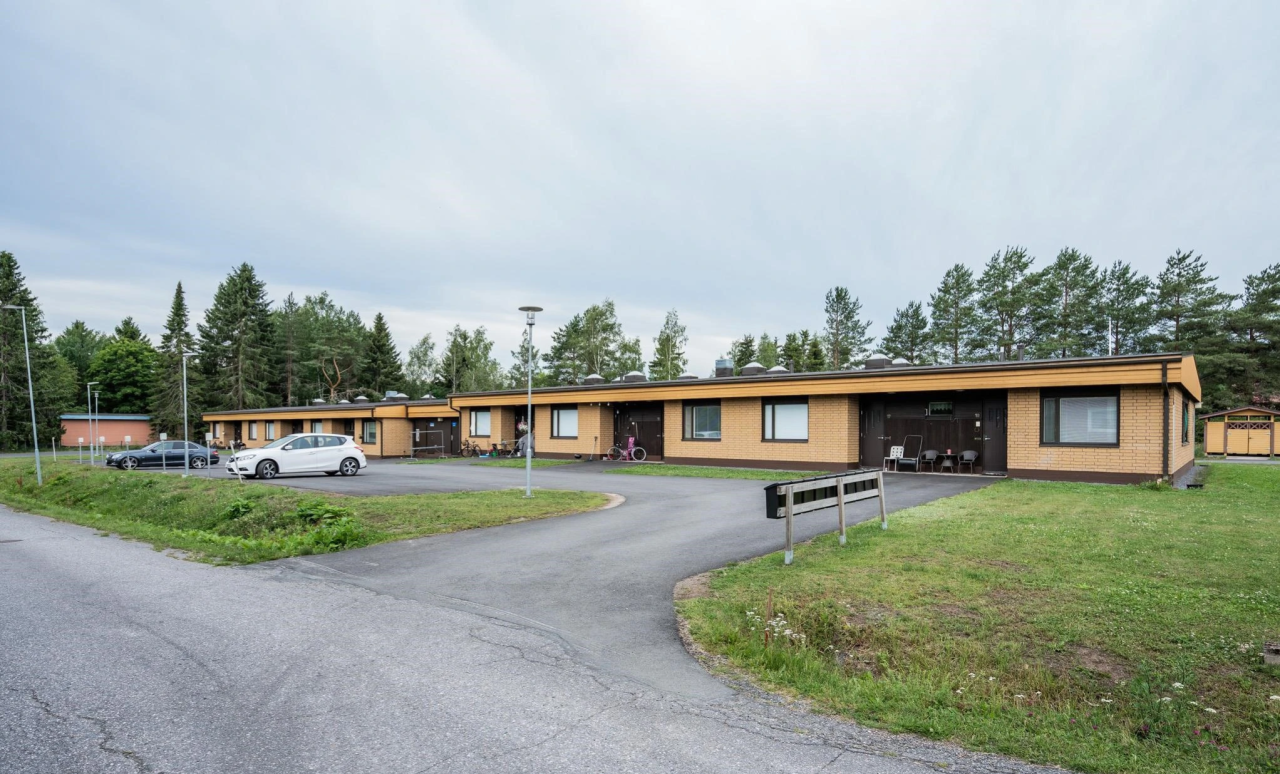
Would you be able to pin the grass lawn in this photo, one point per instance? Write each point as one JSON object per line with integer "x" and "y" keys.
{"x": 223, "y": 520}
{"x": 518, "y": 462}
{"x": 706, "y": 471}
{"x": 1102, "y": 628}
{"x": 429, "y": 461}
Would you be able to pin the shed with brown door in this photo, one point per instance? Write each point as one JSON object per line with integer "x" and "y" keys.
{"x": 1241, "y": 431}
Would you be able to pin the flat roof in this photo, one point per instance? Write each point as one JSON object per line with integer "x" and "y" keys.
{"x": 109, "y": 417}
{"x": 1185, "y": 375}
{"x": 350, "y": 406}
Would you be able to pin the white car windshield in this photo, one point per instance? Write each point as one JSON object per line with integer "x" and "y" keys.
{"x": 276, "y": 444}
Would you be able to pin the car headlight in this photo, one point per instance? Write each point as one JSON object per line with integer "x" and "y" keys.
{"x": 243, "y": 457}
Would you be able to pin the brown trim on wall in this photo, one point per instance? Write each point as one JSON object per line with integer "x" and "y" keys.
{"x": 719, "y": 462}
{"x": 1086, "y": 476}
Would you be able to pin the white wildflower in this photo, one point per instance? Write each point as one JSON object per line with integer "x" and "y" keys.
{"x": 1178, "y": 686}
{"x": 1165, "y": 699}
{"x": 1106, "y": 701}
{"x": 1211, "y": 710}
{"x": 1019, "y": 696}
{"x": 1275, "y": 698}
{"x": 972, "y": 675}
{"x": 959, "y": 690}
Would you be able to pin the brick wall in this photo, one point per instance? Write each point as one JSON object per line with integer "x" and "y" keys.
{"x": 502, "y": 426}
{"x": 396, "y": 436}
{"x": 595, "y": 432}
{"x": 1140, "y": 449}
{"x": 833, "y": 434}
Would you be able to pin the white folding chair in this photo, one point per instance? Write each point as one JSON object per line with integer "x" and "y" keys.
{"x": 895, "y": 454}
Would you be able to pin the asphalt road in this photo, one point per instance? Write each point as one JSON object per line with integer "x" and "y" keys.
{"x": 541, "y": 646}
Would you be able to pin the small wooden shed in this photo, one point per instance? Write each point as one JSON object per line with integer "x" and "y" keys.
{"x": 1241, "y": 431}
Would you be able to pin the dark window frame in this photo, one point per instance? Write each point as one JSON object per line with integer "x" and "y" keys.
{"x": 928, "y": 414}
{"x": 767, "y": 403}
{"x": 686, "y": 417}
{"x": 471, "y": 423}
{"x": 555, "y": 420}
{"x": 365, "y": 424}
{"x": 1078, "y": 392}
{"x": 1186, "y": 420}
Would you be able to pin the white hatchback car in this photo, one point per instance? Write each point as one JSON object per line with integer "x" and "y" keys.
{"x": 300, "y": 453}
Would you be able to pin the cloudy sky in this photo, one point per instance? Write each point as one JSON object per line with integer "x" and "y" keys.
{"x": 447, "y": 162}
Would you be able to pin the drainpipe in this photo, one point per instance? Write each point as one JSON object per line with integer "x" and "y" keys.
{"x": 1164, "y": 383}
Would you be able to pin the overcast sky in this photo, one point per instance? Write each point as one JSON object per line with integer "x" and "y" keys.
{"x": 448, "y": 162}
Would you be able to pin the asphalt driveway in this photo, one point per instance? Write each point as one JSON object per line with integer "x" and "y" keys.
{"x": 542, "y": 646}
{"x": 601, "y": 582}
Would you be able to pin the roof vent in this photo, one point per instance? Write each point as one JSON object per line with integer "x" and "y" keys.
{"x": 361, "y": 399}
{"x": 635, "y": 376}
{"x": 686, "y": 376}
{"x": 344, "y": 400}
{"x": 394, "y": 395}
{"x": 899, "y": 362}
{"x": 318, "y": 402}
{"x": 724, "y": 367}
{"x": 594, "y": 379}
{"x": 877, "y": 360}
{"x": 778, "y": 370}
{"x": 427, "y": 397}
{"x": 752, "y": 369}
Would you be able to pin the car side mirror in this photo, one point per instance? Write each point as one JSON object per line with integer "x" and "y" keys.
{"x": 289, "y": 447}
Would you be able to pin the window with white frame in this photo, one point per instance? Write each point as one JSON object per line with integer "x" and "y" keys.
{"x": 564, "y": 422}
{"x": 1080, "y": 418}
{"x": 271, "y": 431}
{"x": 217, "y": 429}
{"x": 369, "y": 431}
{"x": 253, "y": 431}
{"x": 701, "y": 421}
{"x": 479, "y": 422}
{"x": 786, "y": 419}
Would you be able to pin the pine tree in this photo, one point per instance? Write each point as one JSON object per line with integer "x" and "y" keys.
{"x": 236, "y": 340}
{"x": 793, "y": 352}
{"x": 1004, "y": 296}
{"x": 78, "y": 344}
{"x": 1188, "y": 304}
{"x": 290, "y": 344}
{"x": 669, "y": 360}
{"x": 566, "y": 362}
{"x": 467, "y": 363}
{"x": 592, "y": 343}
{"x": 845, "y": 336}
{"x": 128, "y": 330}
{"x": 52, "y": 377}
{"x": 1252, "y": 375}
{"x": 742, "y": 352}
{"x": 333, "y": 339}
{"x": 815, "y": 355}
{"x": 380, "y": 369}
{"x": 1067, "y": 311}
{"x": 1127, "y": 307}
{"x": 954, "y": 320}
{"x": 908, "y": 335}
{"x": 767, "y": 350}
{"x": 166, "y": 395}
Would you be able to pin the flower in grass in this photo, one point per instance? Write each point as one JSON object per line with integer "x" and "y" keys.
{"x": 1019, "y": 696}
{"x": 991, "y": 679}
{"x": 1193, "y": 703}
{"x": 1178, "y": 686}
{"x": 1275, "y": 698}
{"x": 959, "y": 690}
{"x": 1211, "y": 710}
{"x": 1106, "y": 701}
{"x": 972, "y": 675}
{"x": 1165, "y": 699}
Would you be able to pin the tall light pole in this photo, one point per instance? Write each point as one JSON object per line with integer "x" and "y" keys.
{"x": 31, "y": 393}
{"x": 98, "y": 426}
{"x": 88, "y": 401}
{"x": 528, "y": 447}
{"x": 186, "y": 445}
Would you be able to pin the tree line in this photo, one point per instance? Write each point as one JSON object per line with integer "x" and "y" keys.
{"x": 248, "y": 352}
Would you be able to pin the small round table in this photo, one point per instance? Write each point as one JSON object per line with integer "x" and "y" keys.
{"x": 948, "y": 461}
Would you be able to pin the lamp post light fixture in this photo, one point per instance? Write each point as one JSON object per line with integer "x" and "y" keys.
{"x": 31, "y": 393}
{"x": 98, "y": 428}
{"x": 88, "y": 400}
{"x": 528, "y": 447}
{"x": 186, "y": 443}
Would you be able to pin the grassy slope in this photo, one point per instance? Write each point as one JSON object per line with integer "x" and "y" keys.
{"x": 224, "y": 520}
{"x": 1046, "y": 621}
{"x": 703, "y": 471}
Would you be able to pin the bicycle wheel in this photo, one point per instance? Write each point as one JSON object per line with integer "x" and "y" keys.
{"x": 468, "y": 450}
{"x": 638, "y": 454}
{"x": 614, "y": 454}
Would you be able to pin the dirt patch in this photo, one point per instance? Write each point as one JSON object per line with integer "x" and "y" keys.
{"x": 1003, "y": 565}
{"x": 959, "y": 613}
{"x": 1091, "y": 659}
{"x": 694, "y": 587}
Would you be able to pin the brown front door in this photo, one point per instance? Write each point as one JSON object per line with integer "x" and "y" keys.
{"x": 434, "y": 437}
{"x": 871, "y": 446}
{"x": 995, "y": 434}
{"x": 642, "y": 420}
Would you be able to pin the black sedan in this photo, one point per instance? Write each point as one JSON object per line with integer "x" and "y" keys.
{"x": 169, "y": 454}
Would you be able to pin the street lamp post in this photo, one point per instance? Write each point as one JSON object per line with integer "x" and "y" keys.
{"x": 186, "y": 444}
{"x": 88, "y": 400}
{"x": 98, "y": 427}
{"x": 31, "y": 393}
{"x": 528, "y": 447}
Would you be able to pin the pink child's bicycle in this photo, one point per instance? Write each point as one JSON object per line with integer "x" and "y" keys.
{"x": 629, "y": 453}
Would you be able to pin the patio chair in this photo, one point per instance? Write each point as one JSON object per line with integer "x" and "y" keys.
{"x": 929, "y": 457}
{"x": 895, "y": 454}
{"x": 911, "y": 445}
{"x": 967, "y": 458}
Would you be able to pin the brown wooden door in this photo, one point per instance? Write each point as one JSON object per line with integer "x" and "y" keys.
{"x": 995, "y": 435}
{"x": 871, "y": 446}
{"x": 644, "y": 421}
